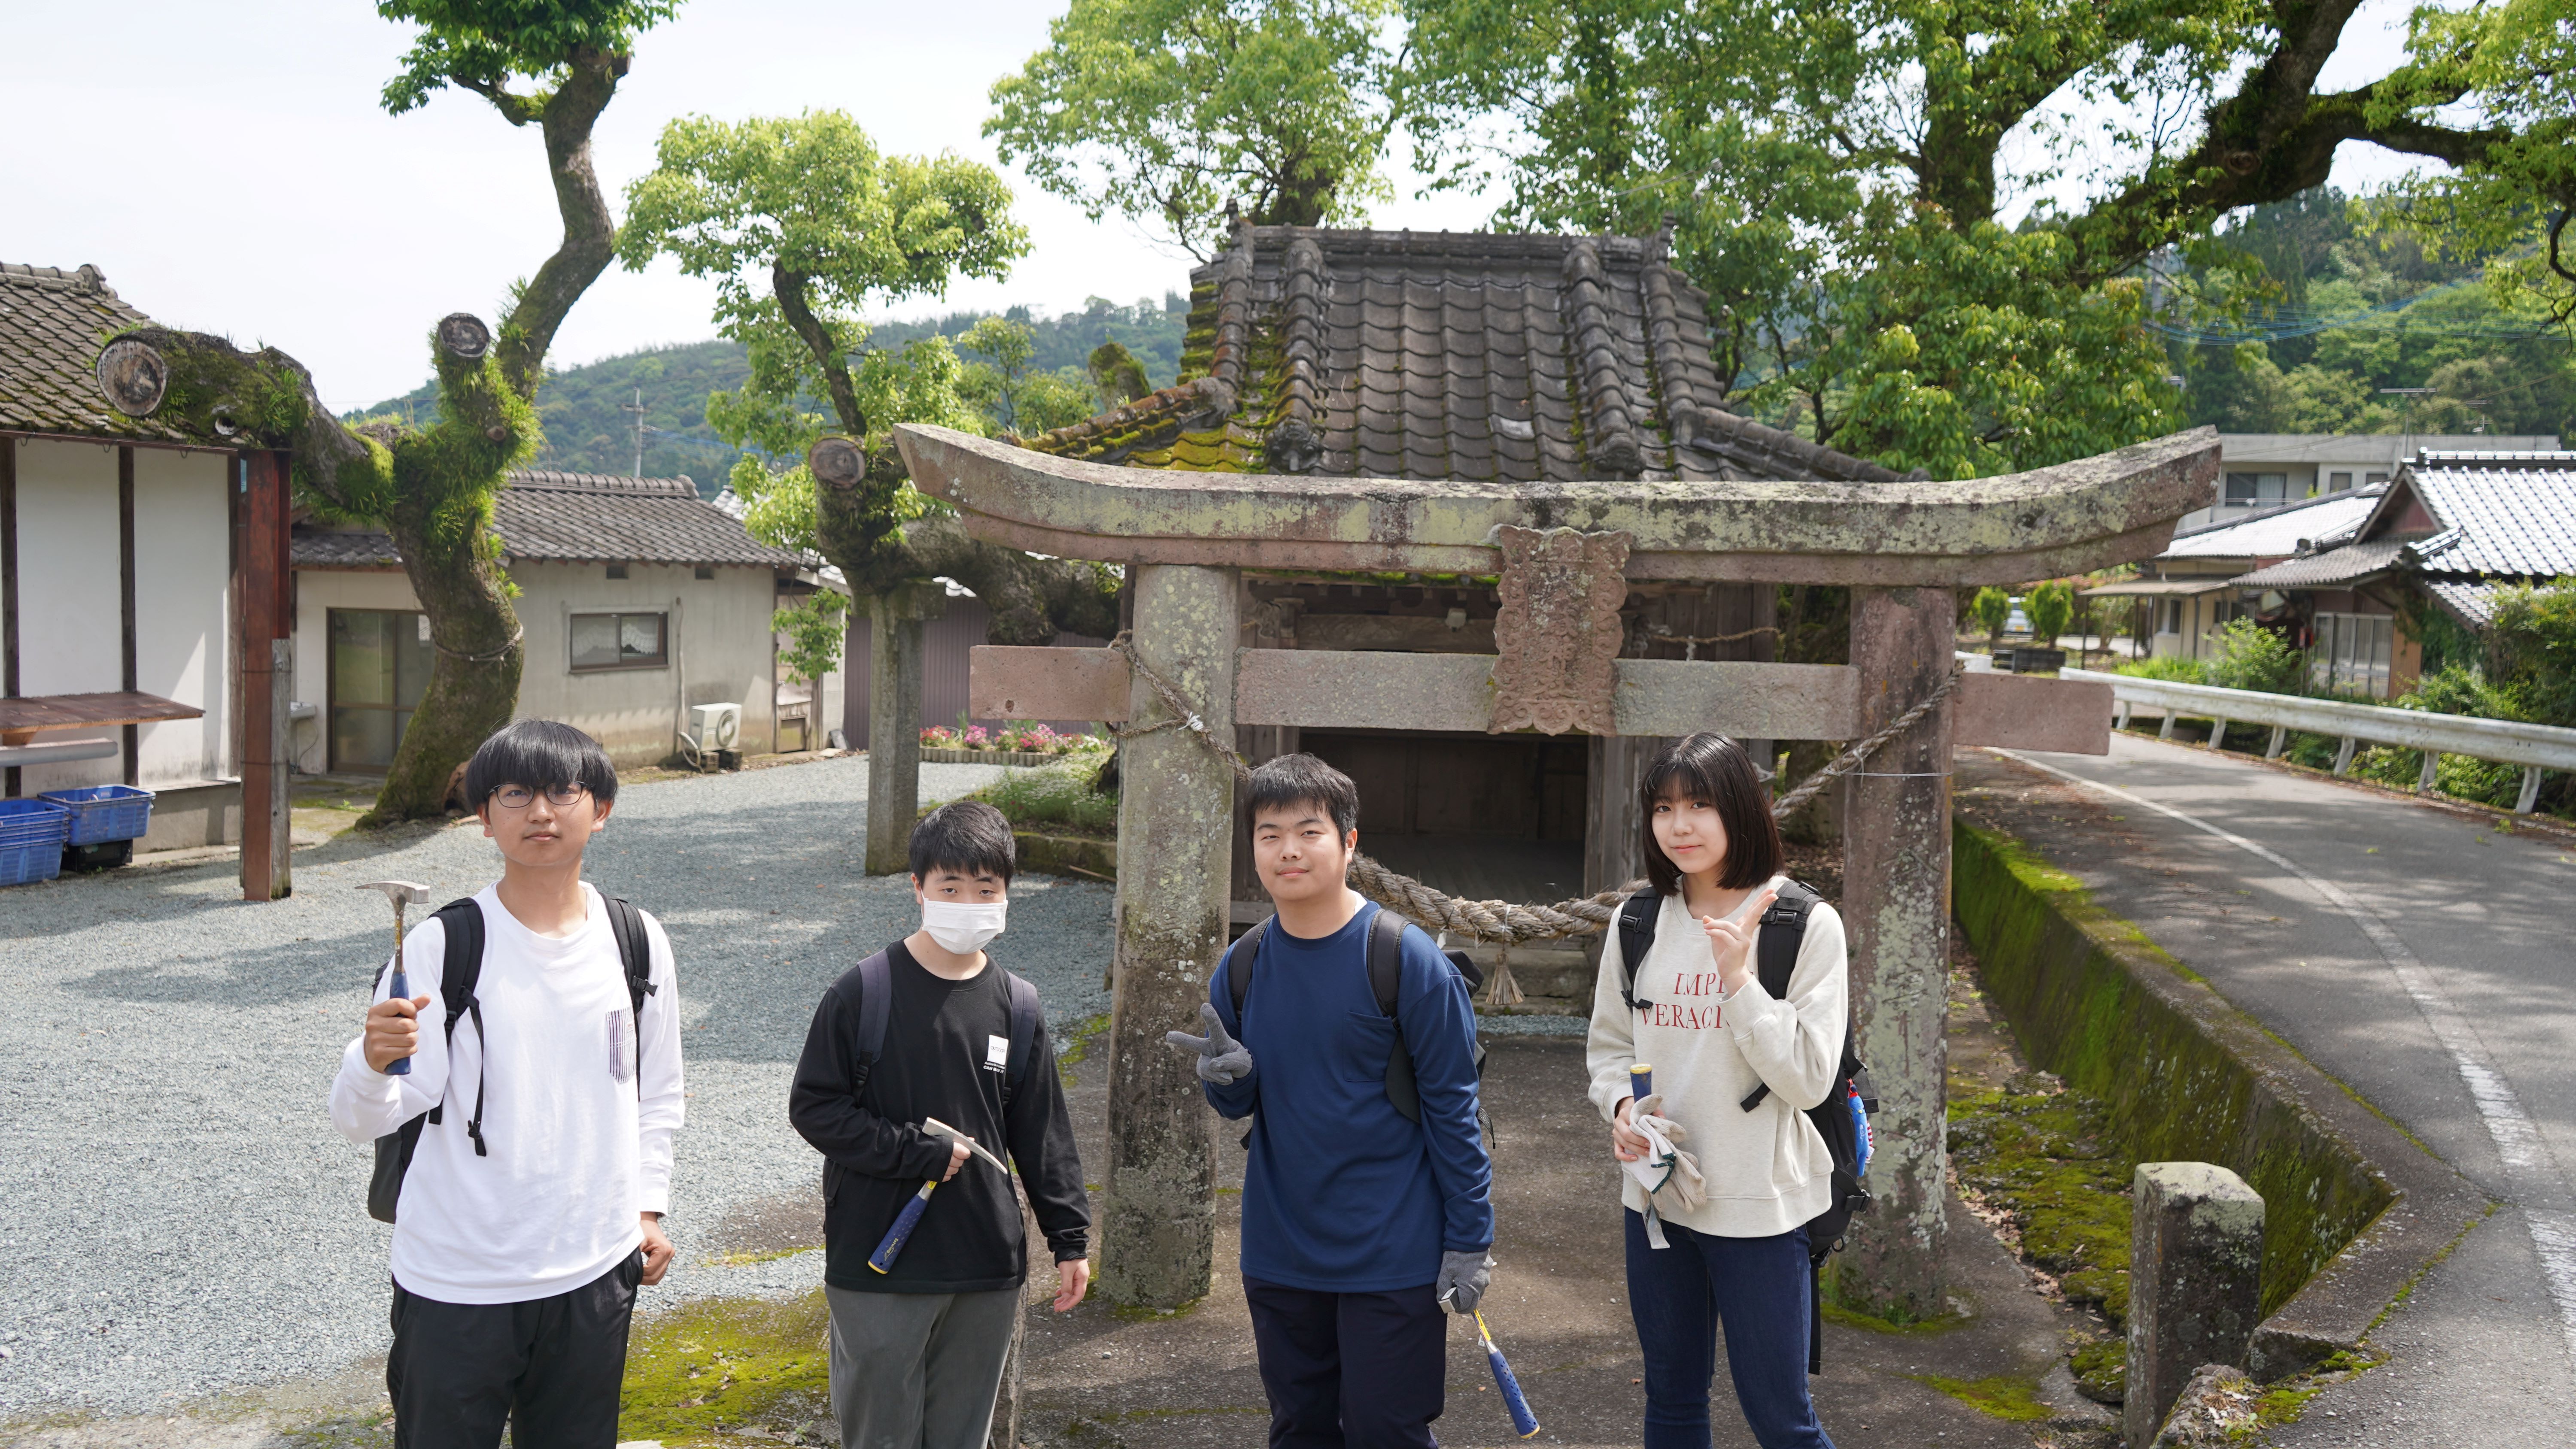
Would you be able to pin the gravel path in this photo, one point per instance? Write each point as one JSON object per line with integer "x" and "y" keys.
{"x": 178, "y": 1217}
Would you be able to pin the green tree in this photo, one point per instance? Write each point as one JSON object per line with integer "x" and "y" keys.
{"x": 799, "y": 222}
{"x": 1837, "y": 174}
{"x": 2245, "y": 655}
{"x": 553, "y": 66}
{"x": 2050, "y": 606}
{"x": 1993, "y": 609}
{"x": 814, "y": 628}
{"x": 1166, "y": 111}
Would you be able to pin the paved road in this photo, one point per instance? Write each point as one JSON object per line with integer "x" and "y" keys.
{"x": 2423, "y": 959}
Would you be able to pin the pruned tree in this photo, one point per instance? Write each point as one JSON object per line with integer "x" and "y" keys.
{"x": 550, "y": 64}
{"x": 1166, "y": 111}
{"x": 799, "y": 222}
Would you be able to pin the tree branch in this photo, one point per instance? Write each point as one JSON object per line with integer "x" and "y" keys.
{"x": 828, "y": 353}
{"x": 590, "y": 233}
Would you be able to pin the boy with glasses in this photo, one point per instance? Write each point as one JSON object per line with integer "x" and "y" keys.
{"x": 546, "y": 1092}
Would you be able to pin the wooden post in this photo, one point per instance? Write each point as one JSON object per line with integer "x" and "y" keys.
{"x": 1896, "y": 908}
{"x": 894, "y": 728}
{"x": 9, "y": 589}
{"x": 267, "y": 680}
{"x": 133, "y": 734}
{"x": 1176, "y": 832}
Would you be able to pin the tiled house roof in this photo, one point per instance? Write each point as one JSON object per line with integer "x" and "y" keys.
{"x": 580, "y": 517}
{"x": 1429, "y": 355}
{"x": 52, "y": 325}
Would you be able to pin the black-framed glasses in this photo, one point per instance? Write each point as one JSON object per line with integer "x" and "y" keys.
{"x": 520, "y": 797}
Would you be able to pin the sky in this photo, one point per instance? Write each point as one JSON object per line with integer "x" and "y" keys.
{"x": 234, "y": 172}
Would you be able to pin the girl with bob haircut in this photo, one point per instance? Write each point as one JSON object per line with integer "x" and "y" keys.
{"x": 1717, "y": 1208}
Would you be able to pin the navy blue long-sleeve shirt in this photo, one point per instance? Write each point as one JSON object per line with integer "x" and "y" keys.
{"x": 1343, "y": 1194}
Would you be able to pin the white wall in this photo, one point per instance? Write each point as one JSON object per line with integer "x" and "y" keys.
{"x": 182, "y": 633}
{"x": 719, "y": 638}
{"x": 71, "y": 624}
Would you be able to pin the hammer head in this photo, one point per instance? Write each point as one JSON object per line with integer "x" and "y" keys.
{"x": 937, "y": 1128}
{"x": 400, "y": 892}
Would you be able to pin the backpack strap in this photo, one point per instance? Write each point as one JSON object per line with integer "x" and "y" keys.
{"x": 462, "y": 924}
{"x": 635, "y": 953}
{"x": 1775, "y": 958}
{"x": 1027, "y": 1015}
{"x": 1386, "y": 982}
{"x": 1636, "y": 936}
{"x": 1239, "y": 960}
{"x": 876, "y": 1003}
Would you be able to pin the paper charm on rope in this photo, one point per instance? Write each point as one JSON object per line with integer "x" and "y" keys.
{"x": 1558, "y": 634}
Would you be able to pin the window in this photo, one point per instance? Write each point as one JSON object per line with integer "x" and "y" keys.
{"x": 379, "y": 665}
{"x": 2351, "y": 654}
{"x": 617, "y": 641}
{"x": 2338, "y": 482}
{"x": 2257, "y": 490}
{"x": 617, "y": 571}
{"x": 2375, "y": 478}
{"x": 706, "y": 571}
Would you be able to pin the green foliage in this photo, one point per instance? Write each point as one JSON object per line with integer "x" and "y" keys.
{"x": 2163, "y": 666}
{"x": 1009, "y": 390}
{"x": 2245, "y": 655}
{"x": 587, "y": 427}
{"x": 1163, "y": 111}
{"x": 1993, "y": 609}
{"x": 2050, "y": 606}
{"x": 2533, "y": 644}
{"x": 1056, "y": 796}
{"x": 483, "y": 45}
{"x": 1116, "y": 377}
{"x": 815, "y": 626}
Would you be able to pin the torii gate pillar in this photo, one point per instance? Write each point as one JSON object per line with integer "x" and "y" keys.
{"x": 1896, "y": 907}
{"x": 1176, "y": 833}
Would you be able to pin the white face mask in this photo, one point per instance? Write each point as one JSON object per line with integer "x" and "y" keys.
{"x": 963, "y": 926}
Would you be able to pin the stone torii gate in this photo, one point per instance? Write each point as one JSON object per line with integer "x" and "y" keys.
{"x": 1187, "y": 538}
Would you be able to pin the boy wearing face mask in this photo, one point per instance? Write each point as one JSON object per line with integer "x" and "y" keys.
{"x": 918, "y": 1348}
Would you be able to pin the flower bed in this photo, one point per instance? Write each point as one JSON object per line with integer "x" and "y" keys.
{"x": 1037, "y": 742}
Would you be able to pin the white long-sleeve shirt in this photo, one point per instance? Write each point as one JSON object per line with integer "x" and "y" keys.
{"x": 1768, "y": 1170}
{"x": 578, "y": 1123}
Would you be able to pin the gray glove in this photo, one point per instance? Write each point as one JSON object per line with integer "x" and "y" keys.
{"x": 1462, "y": 1280}
{"x": 1222, "y": 1059}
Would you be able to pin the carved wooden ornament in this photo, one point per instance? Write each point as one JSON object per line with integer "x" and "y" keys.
{"x": 1558, "y": 634}
{"x": 132, "y": 376}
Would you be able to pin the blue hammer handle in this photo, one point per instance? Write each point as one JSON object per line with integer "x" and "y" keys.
{"x": 398, "y": 986}
{"x": 1524, "y": 1422}
{"x": 892, "y": 1244}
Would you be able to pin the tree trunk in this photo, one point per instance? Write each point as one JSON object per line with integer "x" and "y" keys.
{"x": 474, "y": 673}
{"x": 894, "y": 726}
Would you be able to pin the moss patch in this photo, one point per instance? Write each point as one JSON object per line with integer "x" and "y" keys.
{"x": 2048, "y": 1160}
{"x": 725, "y": 1364}
{"x": 1075, "y": 1045}
{"x": 2101, "y": 1370}
{"x": 2002, "y": 1396}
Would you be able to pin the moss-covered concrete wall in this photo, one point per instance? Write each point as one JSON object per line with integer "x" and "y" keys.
{"x": 2188, "y": 1077}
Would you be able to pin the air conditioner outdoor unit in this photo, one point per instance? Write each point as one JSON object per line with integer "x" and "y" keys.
{"x": 715, "y": 727}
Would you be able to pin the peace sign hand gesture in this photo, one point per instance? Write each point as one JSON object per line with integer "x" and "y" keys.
{"x": 1730, "y": 941}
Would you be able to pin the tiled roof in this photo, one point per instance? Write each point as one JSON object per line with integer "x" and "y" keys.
{"x": 2514, "y": 513}
{"x": 52, "y": 325}
{"x": 1433, "y": 355}
{"x": 2330, "y": 568}
{"x": 583, "y": 517}
{"x": 2473, "y": 602}
{"x": 2278, "y": 532}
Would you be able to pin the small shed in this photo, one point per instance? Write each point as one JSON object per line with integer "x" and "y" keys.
{"x": 141, "y": 573}
{"x": 641, "y": 602}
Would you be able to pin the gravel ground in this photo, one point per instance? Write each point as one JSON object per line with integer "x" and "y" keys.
{"x": 177, "y": 1216}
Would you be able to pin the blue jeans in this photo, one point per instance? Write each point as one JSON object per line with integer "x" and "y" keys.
{"x": 1757, "y": 1288}
{"x": 1349, "y": 1370}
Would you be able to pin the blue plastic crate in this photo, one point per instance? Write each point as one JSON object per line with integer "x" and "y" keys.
{"x": 31, "y": 840}
{"x": 26, "y": 864}
{"x": 104, "y": 812}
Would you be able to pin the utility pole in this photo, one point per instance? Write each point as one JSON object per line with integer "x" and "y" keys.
{"x": 2406, "y": 423}
{"x": 637, "y": 408}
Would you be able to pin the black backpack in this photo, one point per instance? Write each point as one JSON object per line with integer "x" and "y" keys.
{"x": 876, "y": 1003}
{"x": 1386, "y": 977}
{"x": 462, "y": 968}
{"x": 1775, "y": 959}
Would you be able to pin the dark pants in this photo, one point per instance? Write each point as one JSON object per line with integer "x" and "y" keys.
{"x": 1757, "y": 1290}
{"x": 1349, "y": 1370}
{"x": 551, "y": 1367}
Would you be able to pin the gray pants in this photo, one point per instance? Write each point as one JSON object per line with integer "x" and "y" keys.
{"x": 918, "y": 1370}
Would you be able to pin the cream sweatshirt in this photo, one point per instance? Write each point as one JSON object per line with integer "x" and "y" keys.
{"x": 1768, "y": 1170}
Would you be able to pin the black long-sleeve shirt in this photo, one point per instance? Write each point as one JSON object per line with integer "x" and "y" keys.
{"x": 939, "y": 1040}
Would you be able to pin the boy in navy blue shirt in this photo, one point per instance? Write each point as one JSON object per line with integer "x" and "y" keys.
{"x": 1359, "y": 1225}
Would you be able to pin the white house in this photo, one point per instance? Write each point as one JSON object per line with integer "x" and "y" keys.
{"x": 2265, "y": 470}
{"x": 640, "y": 603}
{"x": 127, "y": 582}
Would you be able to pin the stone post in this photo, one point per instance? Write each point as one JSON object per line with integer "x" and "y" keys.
{"x": 1896, "y": 909}
{"x": 1176, "y": 832}
{"x": 894, "y": 726}
{"x": 2195, "y": 1282}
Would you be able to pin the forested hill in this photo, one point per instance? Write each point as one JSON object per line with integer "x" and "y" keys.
{"x": 589, "y": 430}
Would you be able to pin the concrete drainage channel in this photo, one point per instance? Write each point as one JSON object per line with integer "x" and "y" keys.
{"x": 2355, "y": 1210}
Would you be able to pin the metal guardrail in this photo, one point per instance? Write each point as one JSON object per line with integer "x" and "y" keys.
{"x": 2536, "y": 748}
